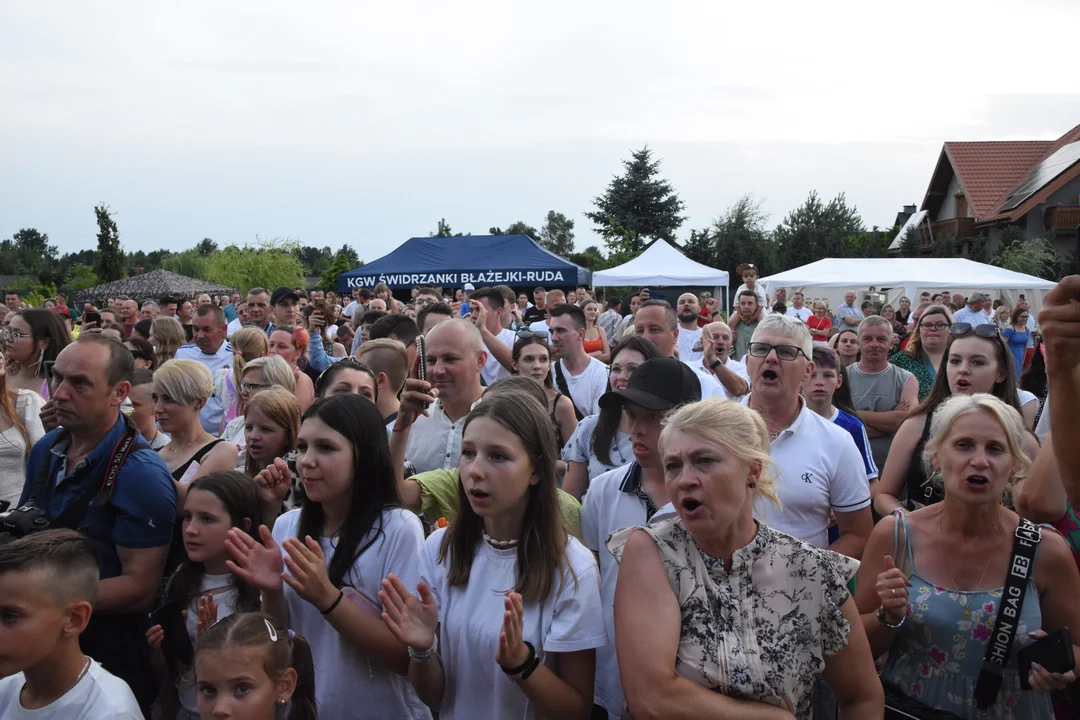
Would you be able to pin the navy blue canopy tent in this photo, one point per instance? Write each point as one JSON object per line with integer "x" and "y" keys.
{"x": 478, "y": 259}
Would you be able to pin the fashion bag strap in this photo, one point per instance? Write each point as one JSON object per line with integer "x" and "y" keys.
{"x": 1021, "y": 566}
{"x": 560, "y": 380}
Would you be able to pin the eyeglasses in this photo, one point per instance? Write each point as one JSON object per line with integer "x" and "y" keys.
{"x": 528, "y": 334}
{"x": 616, "y": 371}
{"x": 934, "y": 325}
{"x": 249, "y": 387}
{"x": 787, "y": 353}
{"x": 15, "y": 336}
{"x": 984, "y": 330}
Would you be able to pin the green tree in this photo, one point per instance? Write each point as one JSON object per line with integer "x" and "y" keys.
{"x": 700, "y": 247}
{"x": 943, "y": 246}
{"x": 590, "y": 258}
{"x": 350, "y": 255}
{"x": 815, "y": 230}
{"x": 269, "y": 264}
{"x": 557, "y": 233}
{"x": 517, "y": 228}
{"x": 1034, "y": 257}
{"x": 206, "y": 247}
{"x": 189, "y": 263}
{"x": 741, "y": 235}
{"x": 81, "y": 278}
{"x": 911, "y": 245}
{"x": 34, "y": 251}
{"x": 637, "y": 206}
{"x": 110, "y": 256}
{"x": 443, "y": 230}
{"x": 341, "y": 264}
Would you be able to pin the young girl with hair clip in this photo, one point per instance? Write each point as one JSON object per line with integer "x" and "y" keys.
{"x": 247, "y": 344}
{"x": 531, "y": 358}
{"x": 271, "y": 426}
{"x": 319, "y": 572}
{"x": 202, "y": 588}
{"x": 508, "y": 617}
{"x": 250, "y": 668}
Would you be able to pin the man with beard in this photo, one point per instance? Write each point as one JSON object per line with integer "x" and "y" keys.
{"x": 687, "y": 310}
{"x": 882, "y": 393}
{"x": 820, "y": 469}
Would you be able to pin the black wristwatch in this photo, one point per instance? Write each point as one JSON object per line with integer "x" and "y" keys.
{"x": 715, "y": 364}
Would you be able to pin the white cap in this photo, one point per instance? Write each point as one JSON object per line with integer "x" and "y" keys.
{"x": 469, "y": 287}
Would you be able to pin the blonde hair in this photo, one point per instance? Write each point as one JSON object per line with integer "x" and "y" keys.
{"x": 185, "y": 381}
{"x": 281, "y": 408}
{"x": 955, "y": 407}
{"x": 252, "y": 343}
{"x": 387, "y": 356}
{"x": 169, "y": 334}
{"x": 275, "y": 371}
{"x": 737, "y": 429}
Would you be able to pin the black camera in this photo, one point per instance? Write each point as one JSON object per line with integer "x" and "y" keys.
{"x": 20, "y": 522}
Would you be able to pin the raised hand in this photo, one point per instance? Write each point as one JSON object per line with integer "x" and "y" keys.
{"x": 892, "y": 590}
{"x": 1059, "y": 321}
{"x": 207, "y": 614}
{"x": 412, "y": 620}
{"x": 258, "y": 565}
{"x": 155, "y": 636}
{"x": 274, "y": 482}
{"x": 513, "y": 652}
{"x": 307, "y": 572}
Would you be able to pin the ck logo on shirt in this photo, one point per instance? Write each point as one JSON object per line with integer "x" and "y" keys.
{"x": 806, "y": 477}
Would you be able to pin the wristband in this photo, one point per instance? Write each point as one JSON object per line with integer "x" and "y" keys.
{"x": 530, "y": 669}
{"x": 885, "y": 621}
{"x": 333, "y": 605}
{"x": 523, "y": 666}
{"x": 426, "y": 654}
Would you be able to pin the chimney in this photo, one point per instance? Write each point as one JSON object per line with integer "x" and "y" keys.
{"x": 911, "y": 209}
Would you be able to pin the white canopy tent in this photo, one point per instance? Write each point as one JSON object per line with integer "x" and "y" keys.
{"x": 892, "y": 277}
{"x": 661, "y": 265}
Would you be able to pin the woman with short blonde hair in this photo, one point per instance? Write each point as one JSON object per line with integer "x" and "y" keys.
{"x": 678, "y": 655}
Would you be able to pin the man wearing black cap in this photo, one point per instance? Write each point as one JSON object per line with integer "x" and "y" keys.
{"x": 628, "y": 496}
{"x": 286, "y": 304}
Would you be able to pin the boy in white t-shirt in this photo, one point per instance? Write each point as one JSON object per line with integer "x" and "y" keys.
{"x": 48, "y": 584}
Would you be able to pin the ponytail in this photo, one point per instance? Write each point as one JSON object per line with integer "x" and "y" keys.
{"x": 302, "y": 706}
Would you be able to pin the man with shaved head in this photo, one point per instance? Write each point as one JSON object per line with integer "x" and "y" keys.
{"x": 687, "y": 310}
{"x": 717, "y": 342}
{"x": 455, "y": 357}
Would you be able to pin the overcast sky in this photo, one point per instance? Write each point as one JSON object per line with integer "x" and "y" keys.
{"x": 364, "y": 123}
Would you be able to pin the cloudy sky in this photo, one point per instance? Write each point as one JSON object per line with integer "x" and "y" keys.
{"x": 362, "y": 122}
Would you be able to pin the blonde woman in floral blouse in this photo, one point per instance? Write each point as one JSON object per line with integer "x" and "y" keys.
{"x": 717, "y": 615}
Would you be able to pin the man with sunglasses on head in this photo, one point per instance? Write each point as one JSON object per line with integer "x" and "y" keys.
{"x": 820, "y": 468}
{"x": 487, "y": 311}
{"x": 972, "y": 313}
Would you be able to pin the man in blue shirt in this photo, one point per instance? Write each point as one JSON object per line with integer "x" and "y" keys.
{"x": 212, "y": 350}
{"x": 972, "y": 313}
{"x": 131, "y": 527}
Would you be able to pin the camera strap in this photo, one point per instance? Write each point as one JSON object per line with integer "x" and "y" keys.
{"x": 74, "y": 513}
{"x": 1010, "y": 606}
{"x": 560, "y": 381}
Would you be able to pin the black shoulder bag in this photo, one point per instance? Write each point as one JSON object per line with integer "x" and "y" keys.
{"x": 560, "y": 380}
{"x": 1021, "y": 566}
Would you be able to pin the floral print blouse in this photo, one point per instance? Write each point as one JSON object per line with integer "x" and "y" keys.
{"x": 761, "y": 629}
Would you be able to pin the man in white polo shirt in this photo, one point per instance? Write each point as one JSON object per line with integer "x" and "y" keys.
{"x": 628, "y": 496}
{"x": 820, "y": 468}
{"x": 455, "y": 356}
{"x": 576, "y": 373}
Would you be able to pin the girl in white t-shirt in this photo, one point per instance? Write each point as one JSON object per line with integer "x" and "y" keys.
{"x": 319, "y": 572}
{"x": 251, "y": 668}
{"x": 202, "y": 584}
{"x": 508, "y": 616}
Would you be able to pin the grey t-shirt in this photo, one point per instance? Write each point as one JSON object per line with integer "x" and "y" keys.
{"x": 877, "y": 392}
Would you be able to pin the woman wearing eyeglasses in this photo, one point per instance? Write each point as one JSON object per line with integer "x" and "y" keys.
{"x": 924, "y": 351}
{"x": 257, "y": 375}
{"x": 34, "y": 338}
{"x": 599, "y": 444}
{"x": 975, "y": 361}
{"x": 247, "y": 345}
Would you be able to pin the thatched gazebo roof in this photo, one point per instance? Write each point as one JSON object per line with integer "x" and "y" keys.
{"x": 151, "y": 286}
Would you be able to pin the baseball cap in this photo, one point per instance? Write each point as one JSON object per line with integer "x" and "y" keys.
{"x": 744, "y": 267}
{"x": 283, "y": 292}
{"x": 469, "y": 287}
{"x": 61, "y": 311}
{"x": 657, "y": 384}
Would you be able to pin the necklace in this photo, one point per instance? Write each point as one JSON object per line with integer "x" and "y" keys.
{"x": 500, "y": 544}
{"x": 774, "y": 435}
{"x": 82, "y": 673}
{"x": 993, "y": 552}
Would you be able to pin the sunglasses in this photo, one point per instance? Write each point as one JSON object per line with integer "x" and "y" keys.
{"x": 529, "y": 334}
{"x": 983, "y": 331}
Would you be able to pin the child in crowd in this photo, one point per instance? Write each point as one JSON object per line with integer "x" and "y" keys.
{"x": 48, "y": 586}
{"x": 202, "y": 584}
{"x": 250, "y": 669}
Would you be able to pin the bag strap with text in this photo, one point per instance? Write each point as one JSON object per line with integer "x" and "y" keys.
{"x": 560, "y": 380}
{"x": 1021, "y": 566}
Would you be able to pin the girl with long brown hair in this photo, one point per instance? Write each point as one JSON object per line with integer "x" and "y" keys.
{"x": 508, "y": 617}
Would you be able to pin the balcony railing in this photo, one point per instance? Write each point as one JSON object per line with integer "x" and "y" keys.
{"x": 959, "y": 228}
{"x": 1063, "y": 217}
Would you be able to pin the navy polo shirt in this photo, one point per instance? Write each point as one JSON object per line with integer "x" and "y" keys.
{"x": 141, "y": 511}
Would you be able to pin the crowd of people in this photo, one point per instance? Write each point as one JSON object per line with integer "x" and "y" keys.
{"x": 483, "y": 503}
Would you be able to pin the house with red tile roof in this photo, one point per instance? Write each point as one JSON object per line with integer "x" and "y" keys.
{"x": 984, "y": 187}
